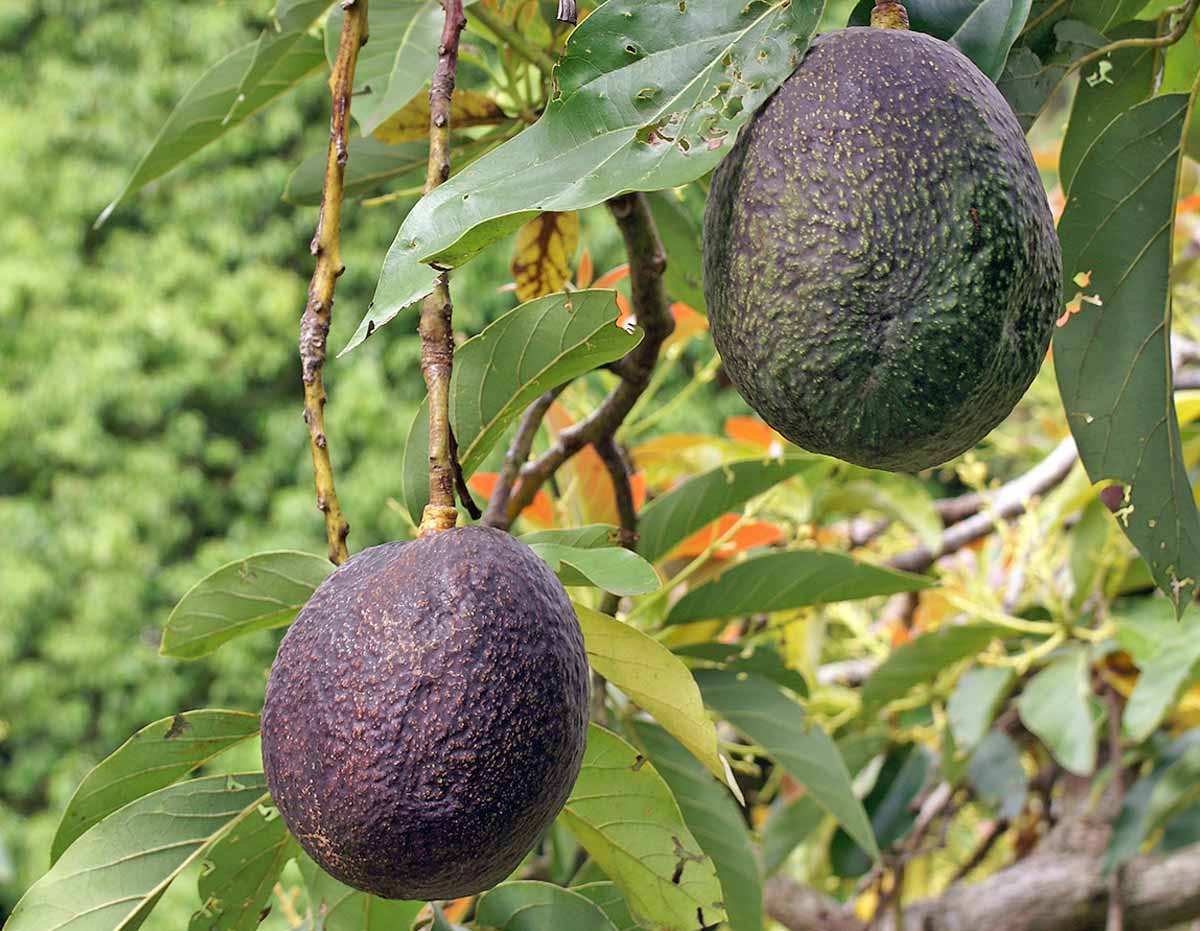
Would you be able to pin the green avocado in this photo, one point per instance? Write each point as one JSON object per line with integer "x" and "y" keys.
{"x": 880, "y": 262}
{"x": 426, "y": 715}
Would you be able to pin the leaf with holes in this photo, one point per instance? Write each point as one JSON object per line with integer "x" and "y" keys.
{"x": 154, "y": 757}
{"x": 655, "y": 679}
{"x": 256, "y": 593}
{"x": 542, "y": 254}
{"x": 624, "y": 815}
{"x": 1113, "y": 357}
{"x": 651, "y": 94}
{"x": 336, "y": 907}
{"x": 131, "y": 856}
{"x": 791, "y": 579}
{"x": 528, "y": 351}
{"x": 539, "y": 906}
{"x": 612, "y": 568}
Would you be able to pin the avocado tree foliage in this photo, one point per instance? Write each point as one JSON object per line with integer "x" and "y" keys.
{"x": 823, "y": 696}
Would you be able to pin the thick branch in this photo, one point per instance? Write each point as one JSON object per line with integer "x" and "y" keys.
{"x": 436, "y": 326}
{"x": 326, "y": 246}
{"x": 647, "y": 262}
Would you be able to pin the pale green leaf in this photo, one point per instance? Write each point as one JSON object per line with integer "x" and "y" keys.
{"x": 337, "y": 907}
{"x": 539, "y": 906}
{"x": 975, "y": 701}
{"x": 606, "y": 895}
{"x": 611, "y": 568}
{"x": 1172, "y": 667}
{"x": 1056, "y": 706}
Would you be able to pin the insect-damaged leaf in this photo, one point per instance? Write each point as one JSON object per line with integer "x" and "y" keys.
{"x": 541, "y": 262}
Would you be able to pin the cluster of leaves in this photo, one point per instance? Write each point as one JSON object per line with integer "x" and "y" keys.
{"x": 741, "y": 590}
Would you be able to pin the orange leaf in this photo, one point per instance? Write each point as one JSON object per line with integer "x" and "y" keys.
{"x": 749, "y": 536}
{"x": 610, "y": 279}
{"x": 541, "y": 262}
{"x": 752, "y": 431}
{"x": 540, "y": 511}
{"x": 688, "y": 323}
{"x": 583, "y": 277}
{"x": 1189, "y": 204}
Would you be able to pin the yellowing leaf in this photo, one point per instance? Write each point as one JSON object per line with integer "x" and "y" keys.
{"x": 411, "y": 122}
{"x": 541, "y": 262}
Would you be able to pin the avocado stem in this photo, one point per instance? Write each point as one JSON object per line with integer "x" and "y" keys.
{"x": 889, "y": 14}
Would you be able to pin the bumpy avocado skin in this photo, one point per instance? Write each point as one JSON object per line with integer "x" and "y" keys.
{"x": 881, "y": 267}
{"x": 426, "y": 714}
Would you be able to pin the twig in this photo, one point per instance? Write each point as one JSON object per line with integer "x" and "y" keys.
{"x": 647, "y": 262}
{"x": 1009, "y": 502}
{"x": 618, "y": 470}
{"x": 518, "y": 452}
{"x": 436, "y": 329}
{"x": 1116, "y": 908}
{"x": 1177, "y": 33}
{"x": 517, "y": 42}
{"x": 326, "y": 246}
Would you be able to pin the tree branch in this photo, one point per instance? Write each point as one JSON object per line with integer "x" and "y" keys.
{"x": 436, "y": 326}
{"x": 326, "y": 246}
{"x": 517, "y": 42}
{"x": 518, "y": 452}
{"x": 1178, "y": 32}
{"x": 647, "y": 262}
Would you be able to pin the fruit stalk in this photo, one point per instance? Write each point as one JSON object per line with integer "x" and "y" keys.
{"x": 437, "y": 310}
{"x": 889, "y": 14}
{"x": 326, "y": 246}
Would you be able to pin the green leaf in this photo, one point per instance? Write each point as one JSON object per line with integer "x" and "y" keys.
{"x": 775, "y": 722}
{"x": 983, "y": 30}
{"x": 240, "y": 870}
{"x": 539, "y": 906}
{"x": 656, "y": 680}
{"x": 256, "y": 593}
{"x": 1107, "y": 89}
{"x": 903, "y": 498}
{"x": 1173, "y": 667}
{"x": 1153, "y": 799}
{"x": 651, "y": 94}
{"x": 677, "y": 215}
{"x": 369, "y": 164}
{"x": 154, "y": 757}
{"x": 1113, "y": 360}
{"x": 624, "y": 815}
{"x": 337, "y": 907}
{"x": 977, "y": 698}
{"x": 673, "y": 517}
{"x": 790, "y": 579}
{"x": 759, "y": 658}
{"x": 920, "y": 661}
{"x": 606, "y": 895}
{"x": 528, "y": 351}
{"x": 715, "y": 820}
{"x": 611, "y": 568}
{"x": 1030, "y": 78}
{"x": 111, "y": 877}
{"x": 213, "y": 106}
{"x": 1057, "y": 707}
{"x": 996, "y": 773}
{"x": 590, "y": 536}
{"x": 787, "y": 827}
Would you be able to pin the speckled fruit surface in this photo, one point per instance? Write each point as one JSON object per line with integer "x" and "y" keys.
{"x": 880, "y": 262}
{"x": 426, "y": 714}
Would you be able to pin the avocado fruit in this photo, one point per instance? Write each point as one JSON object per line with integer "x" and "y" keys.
{"x": 881, "y": 267}
{"x": 426, "y": 714}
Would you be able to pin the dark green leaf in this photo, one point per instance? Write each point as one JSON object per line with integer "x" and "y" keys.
{"x": 339, "y": 908}
{"x": 787, "y": 827}
{"x": 996, "y": 773}
{"x": 212, "y": 107}
{"x": 761, "y": 658}
{"x": 651, "y": 95}
{"x": 625, "y": 816}
{"x": 778, "y": 724}
{"x": 921, "y": 660}
{"x": 1057, "y": 706}
{"x": 612, "y": 568}
{"x": 715, "y": 820}
{"x": 1031, "y": 77}
{"x": 673, "y": 517}
{"x": 110, "y": 878}
{"x": 792, "y": 579}
{"x": 677, "y": 214}
{"x": 1154, "y": 798}
{"x": 977, "y": 698}
{"x": 154, "y": 757}
{"x": 531, "y": 349}
{"x": 539, "y": 906}
{"x": 256, "y": 593}
{"x": 606, "y": 895}
{"x": 1113, "y": 360}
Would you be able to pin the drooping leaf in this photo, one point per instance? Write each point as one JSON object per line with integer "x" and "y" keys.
{"x": 528, "y": 351}
{"x": 1171, "y": 668}
{"x": 996, "y": 774}
{"x": 790, "y": 579}
{"x": 542, "y": 254}
{"x": 655, "y": 679}
{"x": 983, "y": 30}
{"x": 787, "y": 827}
{"x": 110, "y": 878}
{"x": 606, "y": 895}
{"x": 694, "y": 504}
{"x": 154, "y": 757}
{"x": 777, "y": 723}
{"x": 1112, "y": 358}
{"x": 212, "y": 107}
{"x": 612, "y": 568}
{"x": 256, "y": 593}
{"x": 715, "y": 820}
{"x": 539, "y": 906}
{"x": 1057, "y": 707}
{"x": 337, "y": 907}
{"x": 920, "y": 661}
{"x": 761, "y": 659}
{"x": 410, "y": 123}
{"x": 976, "y": 699}
{"x": 1107, "y": 89}
{"x": 240, "y": 870}
{"x": 651, "y": 95}
{"x": 1169, "y": 788}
